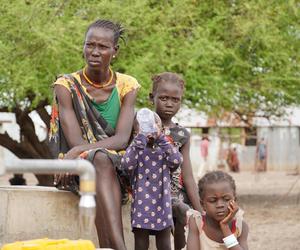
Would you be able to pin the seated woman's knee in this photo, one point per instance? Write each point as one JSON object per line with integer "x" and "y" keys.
{"x": 102, "y": 162}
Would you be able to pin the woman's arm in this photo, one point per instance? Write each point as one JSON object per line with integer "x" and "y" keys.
{"x": 67, "y": 117}
{"x": 188, "y": 178}
{"x": 72, "y": 130}
{"x": 193, "y": 241}
{"x": 124, "y": 126}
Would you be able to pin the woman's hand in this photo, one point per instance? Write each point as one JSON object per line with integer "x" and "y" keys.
{"x": 74, "y": 152}
{"x": 67, "y": 181}
{"x": 63, "y": 180}
{"x": 233, "y": 208}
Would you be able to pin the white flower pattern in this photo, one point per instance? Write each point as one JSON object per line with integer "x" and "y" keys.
{"x": 151, "y": 186}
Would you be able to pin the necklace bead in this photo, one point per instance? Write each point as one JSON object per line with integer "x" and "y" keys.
{"x": 98, "y": 85}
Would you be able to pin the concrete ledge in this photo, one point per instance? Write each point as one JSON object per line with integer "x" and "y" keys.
{"x": 31, "y": 212}
{"x": 34, "y": 212}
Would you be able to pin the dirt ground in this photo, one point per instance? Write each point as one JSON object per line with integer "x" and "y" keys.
{"x": 273, "y": 226}
{"x": 271, "y": 202}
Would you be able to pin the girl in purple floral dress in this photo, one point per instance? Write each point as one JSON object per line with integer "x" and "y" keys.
{"x": 149, "y": 160}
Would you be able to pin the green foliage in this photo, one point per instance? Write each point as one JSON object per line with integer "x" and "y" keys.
{"x": 240, "y": 56}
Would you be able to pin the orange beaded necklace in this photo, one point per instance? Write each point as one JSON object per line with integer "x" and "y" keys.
{"x": 98, "y": 85}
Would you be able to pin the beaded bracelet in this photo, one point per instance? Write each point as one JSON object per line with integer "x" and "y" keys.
{"x": 230, "y": 241}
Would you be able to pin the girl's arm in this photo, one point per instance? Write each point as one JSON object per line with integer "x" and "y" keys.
{"x": 224, "y": 225}
{"x": 72, "y": 130}
{"x": 188, "y": 178}
{"x": 173, "y": 156}
{"x": 242, "y": 240}
{"x": 193, "y": 241}
{"x": 130, "y": 159}
{"x": 243, "y": 237}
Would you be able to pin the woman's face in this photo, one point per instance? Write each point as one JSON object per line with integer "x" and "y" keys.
{"x": 99, "y": 48}
{"x": 216, "y": 199}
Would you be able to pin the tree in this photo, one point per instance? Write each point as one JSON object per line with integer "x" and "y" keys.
{"x": 237, "y": 56}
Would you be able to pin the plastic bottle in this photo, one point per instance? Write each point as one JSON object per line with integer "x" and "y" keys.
{"x": 146, "y": 120}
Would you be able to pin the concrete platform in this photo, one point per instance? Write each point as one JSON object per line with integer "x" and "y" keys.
{"x": 34, "y": 212}
{"x": 31, "y": 212}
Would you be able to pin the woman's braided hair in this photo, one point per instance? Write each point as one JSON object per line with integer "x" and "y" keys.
{"x": 213, "y": 177}
{"x": 117, "y": 28}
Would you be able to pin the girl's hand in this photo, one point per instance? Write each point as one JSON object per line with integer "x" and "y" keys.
{"x": 154, "y": 135}
{"x": 158, "y": 130}
{"x": 233, "y": 208}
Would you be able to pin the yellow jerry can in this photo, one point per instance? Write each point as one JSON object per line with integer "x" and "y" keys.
{"x": 49, "y": 244}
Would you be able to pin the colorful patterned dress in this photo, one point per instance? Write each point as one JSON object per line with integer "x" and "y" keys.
{"x": 178, "y": 136}
{"x": 96, "y": 120}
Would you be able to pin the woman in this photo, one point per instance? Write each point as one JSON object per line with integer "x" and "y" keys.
{"x": 93, "y": 119}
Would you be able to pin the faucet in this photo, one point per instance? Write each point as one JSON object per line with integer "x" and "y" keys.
{"x": 87, "y": 175}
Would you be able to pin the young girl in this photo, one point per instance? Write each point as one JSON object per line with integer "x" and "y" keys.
{"x": 222, "y": 227}
{"x": 149, "y": 159}
{"x": 166, "y": 96}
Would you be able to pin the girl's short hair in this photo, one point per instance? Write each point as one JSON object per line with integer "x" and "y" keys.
{"x": 213, "y": 177}
{"x": 167, "y": 77}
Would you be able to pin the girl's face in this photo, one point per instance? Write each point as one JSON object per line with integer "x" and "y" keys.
{"x": 99, "y": 47}
{"x": 167, "y": 99}
{"x": 216, "y": 199}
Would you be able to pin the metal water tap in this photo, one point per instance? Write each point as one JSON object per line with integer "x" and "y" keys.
{"x": 83, "y": 168}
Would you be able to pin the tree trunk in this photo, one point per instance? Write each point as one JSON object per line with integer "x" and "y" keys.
{"x": 29, "y": 146}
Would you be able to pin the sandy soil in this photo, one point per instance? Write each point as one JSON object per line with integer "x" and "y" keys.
{"x": 273, "y": 226}
{"x": 272, "y": 209}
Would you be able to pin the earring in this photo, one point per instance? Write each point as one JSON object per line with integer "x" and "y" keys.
{"x": 114, "y": 56}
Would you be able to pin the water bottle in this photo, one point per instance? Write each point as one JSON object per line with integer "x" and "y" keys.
{"x": 146, "y": 120}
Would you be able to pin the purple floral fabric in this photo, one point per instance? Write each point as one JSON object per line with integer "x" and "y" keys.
{"x": 149, "y": 169}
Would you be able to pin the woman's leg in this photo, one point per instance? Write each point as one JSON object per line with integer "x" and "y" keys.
{"x": 103, "y": 236}
{"x": 108, "y": 200}
{"x": 162, "y": 239}
{"x": 141, "y": 239}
